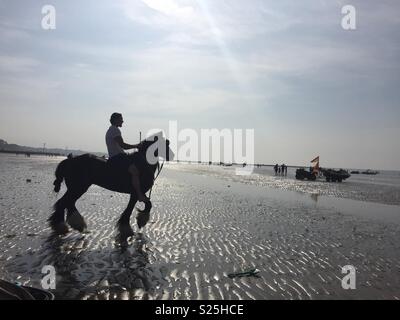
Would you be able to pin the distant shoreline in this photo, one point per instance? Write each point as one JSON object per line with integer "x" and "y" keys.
{"x": 100, "y": 154}
{"x": 53, "y": 154}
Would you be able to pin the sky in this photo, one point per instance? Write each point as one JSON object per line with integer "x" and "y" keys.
{"x": 286, "y": 69}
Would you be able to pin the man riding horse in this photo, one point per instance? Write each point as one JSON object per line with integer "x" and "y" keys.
{"x": 132, "y": 174}
{"x": 118, "y": 158}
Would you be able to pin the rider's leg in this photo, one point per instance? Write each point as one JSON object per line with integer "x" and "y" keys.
{"x": 136, "y": 183}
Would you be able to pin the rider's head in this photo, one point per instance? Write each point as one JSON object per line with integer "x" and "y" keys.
{"x": 116, "y": 119}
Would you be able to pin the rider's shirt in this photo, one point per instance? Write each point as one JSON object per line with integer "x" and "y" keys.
{"x": 112, "y": 146}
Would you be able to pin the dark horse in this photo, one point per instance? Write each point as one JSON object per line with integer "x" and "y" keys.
{"x": 79, "y": 173}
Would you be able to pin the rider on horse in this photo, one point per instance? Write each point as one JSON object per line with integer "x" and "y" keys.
{"x": 117, "y": 156}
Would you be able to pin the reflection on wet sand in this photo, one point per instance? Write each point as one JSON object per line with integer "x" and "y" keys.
{"x": 84, "y": 273}
{"x": 314, "y": 197}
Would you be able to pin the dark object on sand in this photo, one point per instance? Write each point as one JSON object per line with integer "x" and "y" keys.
{"x": 330, "y": 175}
{"x": 370, "y": 172}
{"x": 302, "y": 174}
{"x": 10, "y": 236}
{"x": 13, "y": 291}
{"x": 335, "y": 175}
{"x": 81, "y": 172}
{"x": 248, "y": 273}
{"x": 28, "y": 180}
{"x": 32, "y": 234}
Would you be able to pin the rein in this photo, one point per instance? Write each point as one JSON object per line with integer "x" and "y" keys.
{"x": 159, "y": 168}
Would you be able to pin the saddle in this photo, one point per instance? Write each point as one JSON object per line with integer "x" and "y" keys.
{"x": 120, "y": 164}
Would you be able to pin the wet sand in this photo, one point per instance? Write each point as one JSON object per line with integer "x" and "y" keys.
{"x": 383, "y": 188}
{"x": 202, "y": 228}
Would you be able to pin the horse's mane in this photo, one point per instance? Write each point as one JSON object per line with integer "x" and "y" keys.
{"x": 146, "y": 143}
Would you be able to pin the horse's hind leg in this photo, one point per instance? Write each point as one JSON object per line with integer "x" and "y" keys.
{"x": 74, "y": 218}
{"x": 123, "y": 225}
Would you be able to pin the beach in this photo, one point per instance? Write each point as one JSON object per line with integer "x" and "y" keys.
{"x": 206, "y": 223}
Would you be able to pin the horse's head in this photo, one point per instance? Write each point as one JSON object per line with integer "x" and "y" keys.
{"x": 155, "y": 147}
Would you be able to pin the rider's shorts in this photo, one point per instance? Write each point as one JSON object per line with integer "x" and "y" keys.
{"x": 121, "y": 161}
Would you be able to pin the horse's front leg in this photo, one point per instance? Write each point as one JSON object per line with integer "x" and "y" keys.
{"x": 123, "y": 225}
{"x": 57, "y": 218}
{"x": 75, "y": 220}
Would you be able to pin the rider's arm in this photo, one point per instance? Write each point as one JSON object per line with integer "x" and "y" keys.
{"x": 124, "y": 145}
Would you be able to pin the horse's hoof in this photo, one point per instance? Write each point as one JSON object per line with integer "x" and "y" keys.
{"x": 76, "y": 221}
{"x": 124, "y": 233}
{"x": 121, "y": 240}
{"x": 60, "y": 228}
{"x": 142, "y": 219}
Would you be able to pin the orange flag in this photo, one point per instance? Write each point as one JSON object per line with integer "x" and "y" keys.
{"x": 315, "y": 160}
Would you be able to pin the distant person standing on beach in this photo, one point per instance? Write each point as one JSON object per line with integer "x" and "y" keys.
{"x": 118, "y": 157}
{"x": 284, "y": 169}
{"x": 276, "y": 169}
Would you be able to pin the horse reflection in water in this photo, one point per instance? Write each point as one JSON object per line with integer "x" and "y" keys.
{"x": 82, "y": 272}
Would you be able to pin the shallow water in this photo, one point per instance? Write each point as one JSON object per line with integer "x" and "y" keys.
{"x": 203, "y": 226}
{"x": 382, "y": 188}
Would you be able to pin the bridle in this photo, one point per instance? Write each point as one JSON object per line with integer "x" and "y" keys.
{"x": 159, "y": 168}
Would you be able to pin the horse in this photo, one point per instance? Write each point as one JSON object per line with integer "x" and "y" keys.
{"x": 80, "y": 172}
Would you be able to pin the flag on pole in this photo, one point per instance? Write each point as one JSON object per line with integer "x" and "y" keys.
{"x": 315, "y": 160}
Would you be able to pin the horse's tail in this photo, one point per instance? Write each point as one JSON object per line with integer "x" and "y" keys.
{"x": 60, "y": 173}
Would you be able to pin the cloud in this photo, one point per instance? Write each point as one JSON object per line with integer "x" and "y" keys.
{"x": 175, "y": 81}
{"x": 231, "y": 62}
{"x": 155, "y": 13}
{"x": 203, "y": 19}
{"x": 171, "y": 8}
{"x": 14, "y": 64}
{"x": 9, "y": 34}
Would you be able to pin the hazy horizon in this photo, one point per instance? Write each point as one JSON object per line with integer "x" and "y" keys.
{"x": 287, "y": 70}
{"x": 304, "y": 163}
